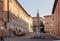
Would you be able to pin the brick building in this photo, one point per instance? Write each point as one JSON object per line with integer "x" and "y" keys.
{"x": 37, "y": 21}
{"x": 14, "y": 16}
{"x": 48, "y": 24}
{"x": 56, "y": 12}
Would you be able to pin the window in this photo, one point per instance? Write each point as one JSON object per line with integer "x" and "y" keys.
{"x": 34, "y": 26}
{"x": 10, "y": 20}
{"x": 10, "y": 0}
{"x": 52, "y": 18}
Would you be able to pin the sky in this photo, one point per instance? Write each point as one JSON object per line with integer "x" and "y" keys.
{"x": 31, "y": 7}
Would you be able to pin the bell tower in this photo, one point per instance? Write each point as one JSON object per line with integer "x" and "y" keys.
{"x": 38, "y": 13}
{"x": 38, "y": 18}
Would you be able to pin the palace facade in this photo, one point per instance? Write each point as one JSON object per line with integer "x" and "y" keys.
{"x": 56, "y": 12}
{"x": 14, "y": 16}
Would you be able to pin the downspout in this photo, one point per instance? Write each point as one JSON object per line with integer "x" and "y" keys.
{"x": 7, "y": 14}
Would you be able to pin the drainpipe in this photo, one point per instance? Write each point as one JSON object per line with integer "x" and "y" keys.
{"x": 7, "y": 15}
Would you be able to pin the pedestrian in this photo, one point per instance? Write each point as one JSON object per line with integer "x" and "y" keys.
{"x": 1, "y": 35}
{"x": 14, "y": 32}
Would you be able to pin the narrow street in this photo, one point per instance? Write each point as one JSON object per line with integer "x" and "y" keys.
{"x": 29, "y": 20}
{"x": 26, "y": 38}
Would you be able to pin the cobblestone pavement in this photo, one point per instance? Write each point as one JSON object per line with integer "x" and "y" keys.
{"x": 48, "y": 37}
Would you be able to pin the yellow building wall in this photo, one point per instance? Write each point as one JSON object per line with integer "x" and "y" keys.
{"x": 15, "y": 9}
{"x": 5, "y": 6}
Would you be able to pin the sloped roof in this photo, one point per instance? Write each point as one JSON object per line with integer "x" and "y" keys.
{"x": 48, "y": 15}
{"x": 22, "y": 8}
{"x": 54, "y": 6}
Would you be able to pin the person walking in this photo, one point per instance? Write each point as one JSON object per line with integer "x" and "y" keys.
{"x": 1, "y": 34}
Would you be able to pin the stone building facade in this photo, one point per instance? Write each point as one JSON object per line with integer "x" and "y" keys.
{"x": 56, "y": 12}
{"x": 14, "y": 16}
{"x": 26, "y": 20}
{"x": 48, "y": 24}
